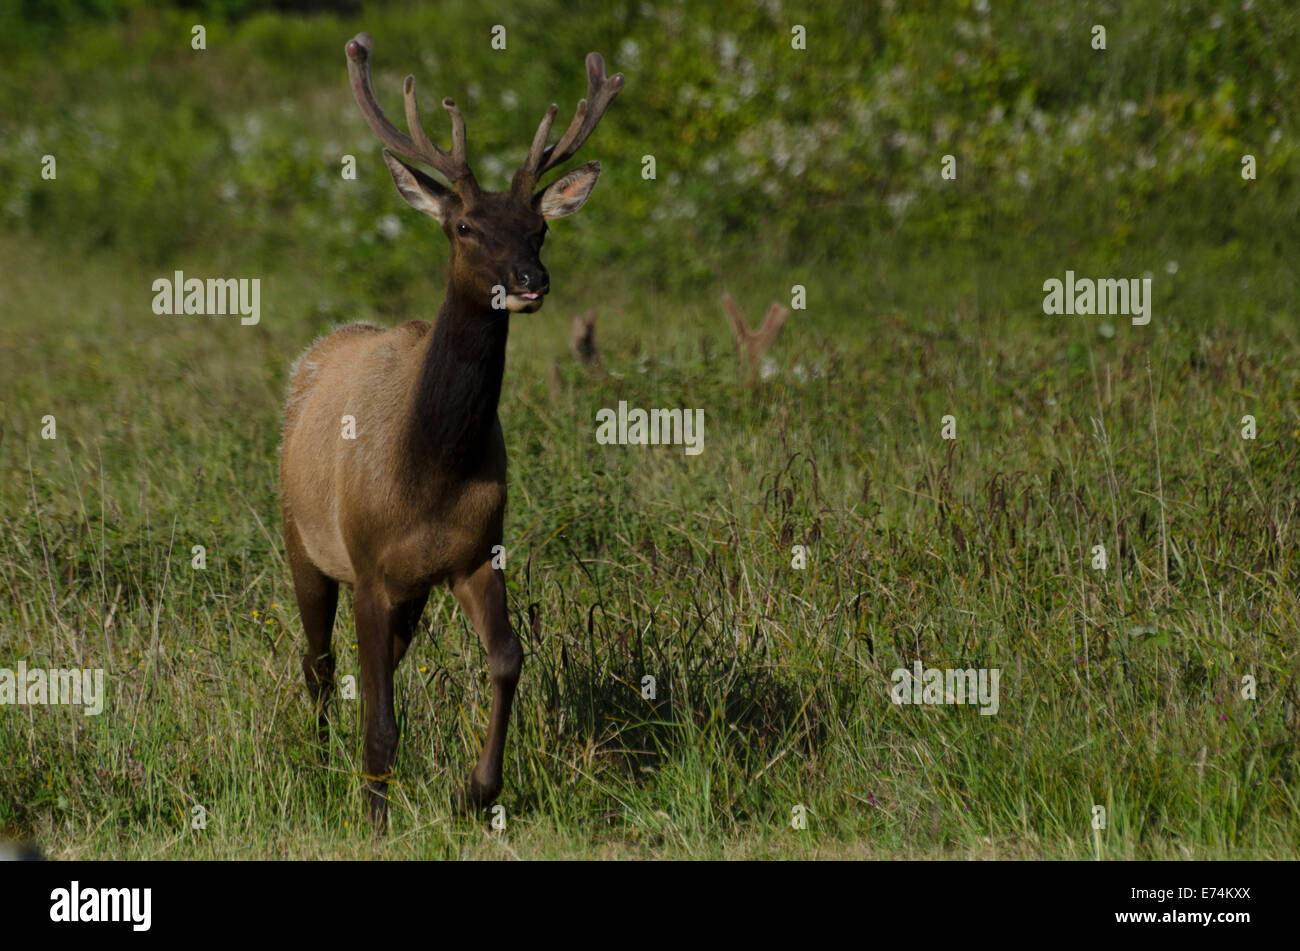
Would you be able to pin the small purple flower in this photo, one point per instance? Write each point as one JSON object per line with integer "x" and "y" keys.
{"x": 872, "y": 798}
{"x": 1223, "y": 717}
{"x": 1218, "y": 700}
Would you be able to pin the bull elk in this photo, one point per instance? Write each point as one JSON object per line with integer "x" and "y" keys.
{"x": 414, "y": 495}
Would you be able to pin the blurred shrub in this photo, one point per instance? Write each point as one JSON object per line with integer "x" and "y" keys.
{"x": 827, "y": 154}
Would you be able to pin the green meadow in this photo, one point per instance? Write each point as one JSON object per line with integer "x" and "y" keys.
{"x": 1161, "y": 688}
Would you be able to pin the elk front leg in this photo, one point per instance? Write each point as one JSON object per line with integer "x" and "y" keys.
{"x": 482, "y": 594}
{"x": 376, "y": 628}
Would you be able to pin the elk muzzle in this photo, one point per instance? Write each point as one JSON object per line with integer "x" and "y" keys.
{"x": 528, "y": 290}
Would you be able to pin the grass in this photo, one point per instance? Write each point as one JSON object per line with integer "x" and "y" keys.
{"x": 1120, "y": 688}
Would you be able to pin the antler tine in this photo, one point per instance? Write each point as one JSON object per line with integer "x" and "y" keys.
{"x": 538, "y": 147}
{"x": 422, "y": 143}
{"x": 774, "y": 321}
{"x": 579, "y": 117}
{"x": 457, "y": 133}
{"x": 417, "y": 145}
{"x": 358, "y": 52}
{"x": 738, "y": 325}
{"x": 601, "y": 90}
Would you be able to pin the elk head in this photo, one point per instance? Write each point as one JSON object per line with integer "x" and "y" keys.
{"x": 496, "y": 237}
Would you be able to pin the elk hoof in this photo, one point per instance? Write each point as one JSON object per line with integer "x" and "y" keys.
{"x": 475, "y": 796}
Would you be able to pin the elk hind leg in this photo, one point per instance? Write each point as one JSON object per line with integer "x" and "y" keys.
{"x": 318, "y": 597}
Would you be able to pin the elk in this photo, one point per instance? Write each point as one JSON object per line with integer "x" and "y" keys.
{"x": 414, "y": 494}
{"x": 582, "y": 341}
{"x": 751, "y": 345}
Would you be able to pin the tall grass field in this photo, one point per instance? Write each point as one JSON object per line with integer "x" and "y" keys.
{"x": 927, "y": 467}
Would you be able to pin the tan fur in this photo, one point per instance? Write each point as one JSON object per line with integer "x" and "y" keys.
{"x": 410, "y": 537}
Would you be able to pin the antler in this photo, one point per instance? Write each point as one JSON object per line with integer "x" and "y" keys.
{"x": 752, "y": 344}
{"x": 601, "y": 90}
{"x": 417, "y": 146}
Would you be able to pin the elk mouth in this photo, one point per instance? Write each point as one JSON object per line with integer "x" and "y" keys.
{"x": 524, "y": 302}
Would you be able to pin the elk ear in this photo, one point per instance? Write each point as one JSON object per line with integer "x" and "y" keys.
{"x": 421, "y": 192}
{"x": 568, "y": 193}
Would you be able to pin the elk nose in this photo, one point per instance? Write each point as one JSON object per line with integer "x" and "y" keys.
{"x": 535, "y": 280}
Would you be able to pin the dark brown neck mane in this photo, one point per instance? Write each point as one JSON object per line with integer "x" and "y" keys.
{"x": 459, "y": 386}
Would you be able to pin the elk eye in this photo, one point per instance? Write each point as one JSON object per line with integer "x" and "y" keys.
{"x": 462, "y": 228}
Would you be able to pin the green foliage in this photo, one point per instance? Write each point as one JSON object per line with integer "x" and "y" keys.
{"x": 775, "y": 167}
{"x": 1119, "y": 688}
{"x": 832, "y": 153}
